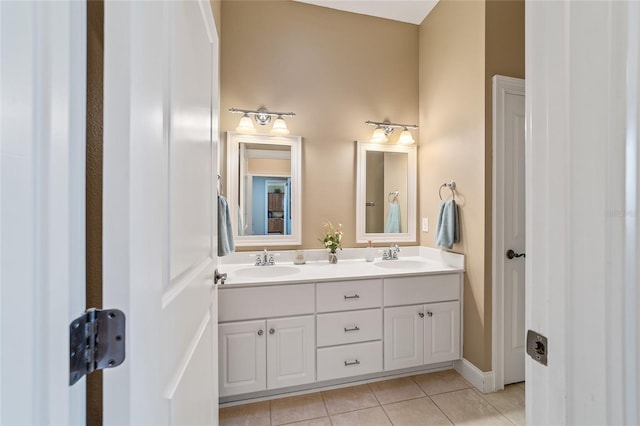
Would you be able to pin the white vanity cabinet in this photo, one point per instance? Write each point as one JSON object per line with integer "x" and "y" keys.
{"x": 349, "y": 317}
{"x": 266, "y": 353}
{"x": 333, "y": 331}
{"x": 425, "y": 333}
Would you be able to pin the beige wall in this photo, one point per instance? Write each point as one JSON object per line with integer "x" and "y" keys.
{"x": 329, "y": 67}
{"x": 462, "y": 45}
{"x": 504, "y": 56}
{"x": 452, "y": 144}
{"x": 335, "y": 70}
{"x": 269, "y": 167}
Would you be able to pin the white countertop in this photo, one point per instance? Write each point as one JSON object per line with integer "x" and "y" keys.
{"x": 351, "y": 265}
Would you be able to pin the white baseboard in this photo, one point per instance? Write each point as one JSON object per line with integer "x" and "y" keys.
{"x": 483, "y": 381}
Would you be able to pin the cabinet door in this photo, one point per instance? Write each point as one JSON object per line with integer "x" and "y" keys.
{"x": 403, "y": 337}
{"x": 291, "y": 355}
{"x": 441, "y": 332}
{"x": 242, "y": 357}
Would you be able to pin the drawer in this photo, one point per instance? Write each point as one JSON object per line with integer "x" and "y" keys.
{"x": 340, "y": 328}
{"x": 264, "y": 302}
{"x": 421, "y": 289}
{"x": 348, "y": 295}
{"x": 349, "y": 360}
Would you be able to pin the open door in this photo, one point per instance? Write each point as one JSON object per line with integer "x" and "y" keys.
{"x": 583, "y": 229}
{"x": 160, "y": 165}
{"x": 42, "y": 86}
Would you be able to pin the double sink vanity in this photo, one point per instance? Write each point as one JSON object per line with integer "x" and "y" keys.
{"x": 286, "y": 328}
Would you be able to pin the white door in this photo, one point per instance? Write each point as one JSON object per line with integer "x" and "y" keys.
{"x": 441, "y": 332}
{"x": 42, "y": 144}
{"x": 583, "y": 227}
{"x": 403, "y": 337}
{"x": 243, "y": 357}
{"x": 509, "y": 230}
{"x": 160, "y": 157}
{"x": 514, "y": 240}
{"x": 291, "y": 351}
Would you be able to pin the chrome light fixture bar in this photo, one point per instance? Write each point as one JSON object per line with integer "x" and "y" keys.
{"x": 385, "y": 128}
{"x": 262, "y": 117}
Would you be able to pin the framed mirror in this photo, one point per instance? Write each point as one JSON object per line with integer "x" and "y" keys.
{"x": 386, "y": 193}
{"x": 263, "y": 189}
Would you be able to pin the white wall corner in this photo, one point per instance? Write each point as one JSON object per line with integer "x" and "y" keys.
{"x": 481, "y": 380}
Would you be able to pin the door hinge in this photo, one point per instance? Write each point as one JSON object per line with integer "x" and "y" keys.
{"x": 96, "y": 341}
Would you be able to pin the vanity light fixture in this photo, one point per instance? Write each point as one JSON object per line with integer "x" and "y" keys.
{"x": 406, "y": 138}
{"x": 246, "y": 125}
{"x": 262, "y": 117}
{"x": 385, "y": 128}
{"x": 280, "y": 127}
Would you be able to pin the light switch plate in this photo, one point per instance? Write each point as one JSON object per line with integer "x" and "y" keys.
{"x": 425, "y": 224}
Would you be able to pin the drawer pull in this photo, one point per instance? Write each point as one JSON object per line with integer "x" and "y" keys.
{"x": 260, "y": 332}
{"x": 430, "y": 314}
{"x": 420, "y": 314}
{"x": 355, "y": 296}
{"x": 349, "y": 363}
{"x": 356, "y": 328}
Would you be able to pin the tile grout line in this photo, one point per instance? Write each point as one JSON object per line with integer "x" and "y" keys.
{"x": 324, "y": 401}
{"x": 379, "y": 404}
{"x": 440, "y": 409}
{"x": 494, "y": 407}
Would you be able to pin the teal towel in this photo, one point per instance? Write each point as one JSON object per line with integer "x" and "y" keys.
{"x": 225, "y": 232}
{"x": 448, "y": 229}
{"x": 393, "y": 219}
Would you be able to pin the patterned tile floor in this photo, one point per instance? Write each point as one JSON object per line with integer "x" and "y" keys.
{"x": 441, "y": 398}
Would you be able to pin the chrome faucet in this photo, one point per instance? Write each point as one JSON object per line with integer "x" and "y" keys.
{"x": 391, "y": 253}
{"x": 265, "y": 259}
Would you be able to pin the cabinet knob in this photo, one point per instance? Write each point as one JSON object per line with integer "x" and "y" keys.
{"x": 430, "y": 314}
{"x": 260, "y": 332}
{"x": 421, "y": 315}
{"x": 271, "y": 331}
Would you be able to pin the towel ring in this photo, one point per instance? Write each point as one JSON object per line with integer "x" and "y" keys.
{"x": 451, "y": 185}
{"x": 393, "y": 196}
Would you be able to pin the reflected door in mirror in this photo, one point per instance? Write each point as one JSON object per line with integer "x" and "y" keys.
{"x": 264, "y": 188}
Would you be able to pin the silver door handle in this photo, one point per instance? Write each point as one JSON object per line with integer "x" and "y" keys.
{"x": 356, "y": 328}
{"x": 349, "y": 363}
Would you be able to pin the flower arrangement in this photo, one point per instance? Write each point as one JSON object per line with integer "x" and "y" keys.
{"x": 332, "y": 238}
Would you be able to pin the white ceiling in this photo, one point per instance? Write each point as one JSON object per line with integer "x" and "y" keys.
{"x": 411, "y": 11}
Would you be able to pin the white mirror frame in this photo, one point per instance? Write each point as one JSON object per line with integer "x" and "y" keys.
{"x": 361, "y": 192}
{"x": 234, "y": 139}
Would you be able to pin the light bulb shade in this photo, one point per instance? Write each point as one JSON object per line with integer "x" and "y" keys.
{"x": 406, "y": 138}
{"x": 279, "y": 127}
{"x": 246, "y": 125}
{"x": 379, "y": 135}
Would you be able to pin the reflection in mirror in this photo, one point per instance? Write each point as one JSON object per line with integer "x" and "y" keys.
{"x": 263, "y": 184}
{"x": 386, "y": 193}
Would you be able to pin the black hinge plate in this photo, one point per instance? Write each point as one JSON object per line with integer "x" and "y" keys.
{"x": 96, "y": 341}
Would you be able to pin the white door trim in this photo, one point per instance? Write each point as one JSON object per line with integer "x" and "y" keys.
{"x": 501, "y": 87}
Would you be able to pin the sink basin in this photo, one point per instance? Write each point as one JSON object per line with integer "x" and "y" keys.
{"x": 266, "y": 271}
{"x": 401, "y": 264}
